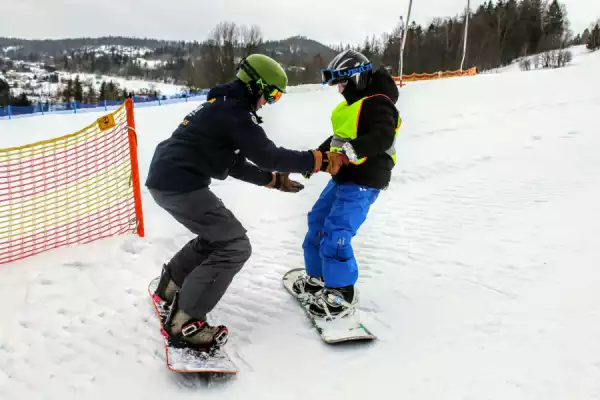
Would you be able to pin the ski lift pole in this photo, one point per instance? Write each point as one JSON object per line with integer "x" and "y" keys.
{"x": 403, "y": 43}
{"x": 468, "y": 10}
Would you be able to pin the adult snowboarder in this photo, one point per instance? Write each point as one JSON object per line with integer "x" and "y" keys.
{"x": 365, "y": 126}
{"x": 215, "y": 141}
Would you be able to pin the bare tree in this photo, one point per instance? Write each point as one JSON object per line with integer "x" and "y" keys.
{"x": 220, "y": 54}
{"x": 250, "y": 39}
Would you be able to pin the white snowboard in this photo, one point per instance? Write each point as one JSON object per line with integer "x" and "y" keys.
{"x": 348, "y": 328}
{"x": 190, "y": 360}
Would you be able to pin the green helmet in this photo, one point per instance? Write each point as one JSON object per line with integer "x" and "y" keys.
{"x": 259, "y": 66}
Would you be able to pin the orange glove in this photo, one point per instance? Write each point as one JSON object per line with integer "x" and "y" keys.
{"x": 335, "y": 162}
{"x": 329, "y": 162}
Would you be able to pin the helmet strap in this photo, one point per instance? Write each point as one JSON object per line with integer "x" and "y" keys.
{"x": 253, "y": 86}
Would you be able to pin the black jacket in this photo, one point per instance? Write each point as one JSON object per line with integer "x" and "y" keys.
{"x": 375, "y": 134}
{"x": 214, "y": 140}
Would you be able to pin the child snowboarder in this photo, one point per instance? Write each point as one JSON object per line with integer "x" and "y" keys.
{"x": 213, "y": 141}
{"x": 365, "y": 126}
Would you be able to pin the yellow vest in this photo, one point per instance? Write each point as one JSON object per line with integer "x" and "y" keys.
{"x": 344, "y": 120}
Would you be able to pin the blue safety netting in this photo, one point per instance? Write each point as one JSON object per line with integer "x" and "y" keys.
{"x": 74, "y": 107}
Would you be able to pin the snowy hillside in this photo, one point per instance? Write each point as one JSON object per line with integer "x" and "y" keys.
{"x": 579, "y": 54}
{"x": 36, "y": 83}
{"x": 41, "y": 82}
{"x": 478, "y": 267}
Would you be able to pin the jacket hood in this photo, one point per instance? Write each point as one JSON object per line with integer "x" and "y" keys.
{"x": 235, "y": 89}
{"x": 380, "y": 83}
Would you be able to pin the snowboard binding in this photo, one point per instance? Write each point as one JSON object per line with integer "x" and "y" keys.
{"x": 178, "y": 341}
{"x": 191, "y": 328}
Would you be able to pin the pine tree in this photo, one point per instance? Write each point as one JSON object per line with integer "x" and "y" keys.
{"x": 111, "y": 91}
{"x": 91, "y": 96}
{"x": 554, "y": 25}
{"x": 102, "y": 94}
{"x": 68, "y": 92}
{"x": 530, "y": 12}
{"x": 21, "y": 101}
{"x": 594, "y": 39}
{"x": 78, "y": 90}
{"x": 585, "y": 37}
{"x": 4, "y": 93}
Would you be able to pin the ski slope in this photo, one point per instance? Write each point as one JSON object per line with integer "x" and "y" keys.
{"x": 478, "y": 267}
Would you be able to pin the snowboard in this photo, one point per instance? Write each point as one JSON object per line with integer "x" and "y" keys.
{"x": 186, "y": 359}
{"x": 348, "y": 328}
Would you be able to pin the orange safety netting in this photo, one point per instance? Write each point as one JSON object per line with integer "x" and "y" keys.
{"x": 70, "y": 190}
{"x": 436, "y": 75}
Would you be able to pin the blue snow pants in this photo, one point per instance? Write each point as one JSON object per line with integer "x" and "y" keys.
{"x": 332, "y": 223}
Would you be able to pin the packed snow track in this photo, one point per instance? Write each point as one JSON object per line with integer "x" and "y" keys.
{"x": 478, "y": 266}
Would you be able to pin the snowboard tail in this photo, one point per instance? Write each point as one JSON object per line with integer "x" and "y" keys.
{"x": 348, "y": 328}
{"x": 186, "y": 359}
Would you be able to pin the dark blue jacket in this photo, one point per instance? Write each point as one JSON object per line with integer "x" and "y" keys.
{"x": 216, "y": 140}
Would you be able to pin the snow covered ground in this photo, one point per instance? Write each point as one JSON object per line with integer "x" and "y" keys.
{"x": 579, "y": 53}
{"x": 478, "y": 267}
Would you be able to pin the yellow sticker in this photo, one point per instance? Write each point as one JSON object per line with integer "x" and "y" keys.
{"x": 106, "y": 122}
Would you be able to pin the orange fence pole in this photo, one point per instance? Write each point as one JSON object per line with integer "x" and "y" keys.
{"x": 135, "y": 170}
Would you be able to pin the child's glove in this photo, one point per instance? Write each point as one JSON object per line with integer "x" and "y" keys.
{"x": 328, "y": 161}
{"x": 336, "y": 160}
{"x": 283, "y": 183}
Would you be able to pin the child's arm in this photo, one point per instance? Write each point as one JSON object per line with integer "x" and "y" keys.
{"x": 379, "y": 117}
{"x": 325, "y": 146}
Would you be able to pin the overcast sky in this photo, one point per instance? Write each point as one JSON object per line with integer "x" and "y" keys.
{"x": 330, "y": 22}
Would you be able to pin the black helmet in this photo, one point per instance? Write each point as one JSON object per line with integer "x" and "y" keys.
{"x": 348, "y": 65}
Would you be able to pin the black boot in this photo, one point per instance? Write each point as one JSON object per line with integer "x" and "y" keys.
{"x": 334, "y": 302}
{"x": 307, "y": 284}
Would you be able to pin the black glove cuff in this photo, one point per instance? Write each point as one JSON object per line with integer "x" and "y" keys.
{"x": 278, "y": 181}
{"x": 325, "y": 162}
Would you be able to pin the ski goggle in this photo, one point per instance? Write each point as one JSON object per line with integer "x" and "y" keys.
{"x": 273, "y": 95}
{"x": 271, "y": 92}
{"x": 335, "y": 76}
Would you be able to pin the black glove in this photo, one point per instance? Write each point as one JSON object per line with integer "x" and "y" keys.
{"x": 282, "y": 182}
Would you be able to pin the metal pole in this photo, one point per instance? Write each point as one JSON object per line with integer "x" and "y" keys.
{"x": 466, "y": 31}
{"x": 404, "y": 34}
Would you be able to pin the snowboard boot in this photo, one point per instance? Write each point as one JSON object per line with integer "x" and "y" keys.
{"x": 183, "y": 330}
{"x": 307, "y": 285}
{"x": 166, "y": 289}
{"x": 333, "y": 303}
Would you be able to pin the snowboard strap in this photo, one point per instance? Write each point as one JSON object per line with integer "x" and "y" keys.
{"x": 192, "y": 328}
{"x": 333, "y": 299}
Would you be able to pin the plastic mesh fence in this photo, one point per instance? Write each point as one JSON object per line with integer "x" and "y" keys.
{"x": 71, "y": 190}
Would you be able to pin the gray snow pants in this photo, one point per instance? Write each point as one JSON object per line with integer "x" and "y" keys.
{"x": 206, "y": 265}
